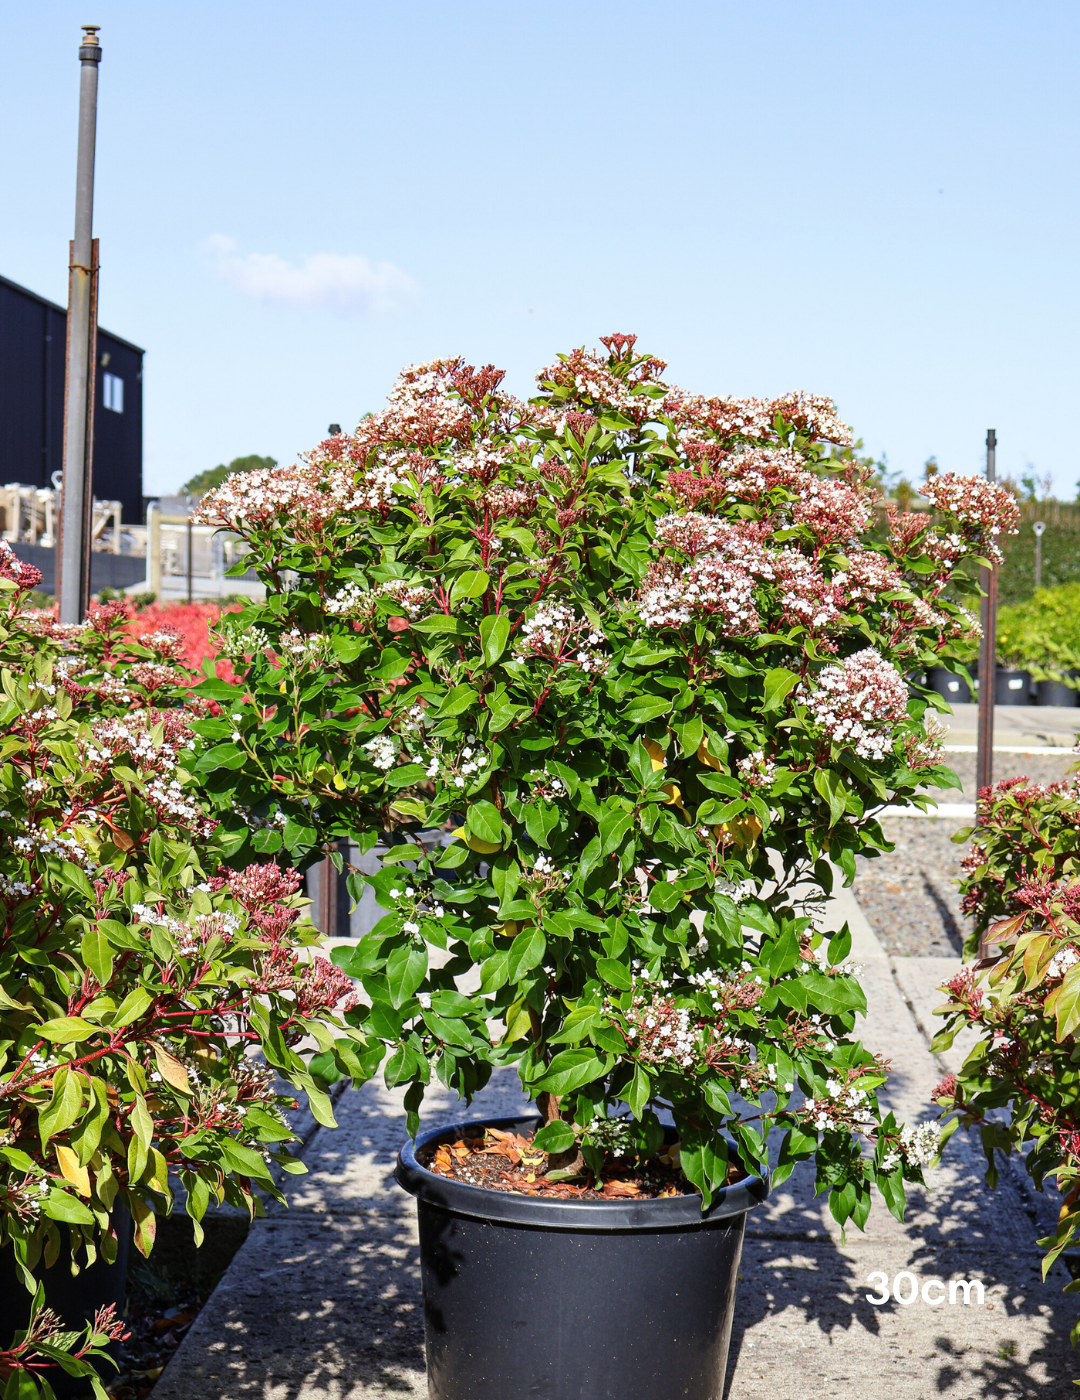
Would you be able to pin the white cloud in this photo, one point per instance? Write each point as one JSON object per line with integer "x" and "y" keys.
{"x": 345, "y": 283}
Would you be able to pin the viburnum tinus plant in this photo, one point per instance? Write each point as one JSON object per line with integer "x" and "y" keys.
{"x": 642, "y": 654}
{"x": 138, "y": 969}
{"x": 1020, "y": 1085}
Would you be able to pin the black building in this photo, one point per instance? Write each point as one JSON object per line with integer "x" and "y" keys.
{"x": 32, "y": 355}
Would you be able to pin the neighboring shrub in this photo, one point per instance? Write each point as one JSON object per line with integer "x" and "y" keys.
{"x": 639, "y": 651}
{"x": 138, "y": 968}
{"x": 1043, "y": 633}
{"x": 1020, "y": 1085}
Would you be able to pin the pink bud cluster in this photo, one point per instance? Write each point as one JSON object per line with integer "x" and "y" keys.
{"x": 857, "y": 703}
{"x": 12, "y": 568}
{"x": 810, "y": 414}
{"x": 983, "y": 509}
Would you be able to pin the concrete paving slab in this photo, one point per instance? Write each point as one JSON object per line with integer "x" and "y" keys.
{"x": 1040, "y": 726}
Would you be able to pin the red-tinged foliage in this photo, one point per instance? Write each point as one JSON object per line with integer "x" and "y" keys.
{"x": 193, "y": 622}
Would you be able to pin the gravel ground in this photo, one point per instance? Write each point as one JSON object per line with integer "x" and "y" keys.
{"x": 910, "y": 896}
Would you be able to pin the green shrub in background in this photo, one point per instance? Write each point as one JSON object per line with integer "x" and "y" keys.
{"x": 1043, "y": 633}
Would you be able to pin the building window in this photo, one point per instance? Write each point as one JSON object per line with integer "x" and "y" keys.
{"x": 113, "y": 392}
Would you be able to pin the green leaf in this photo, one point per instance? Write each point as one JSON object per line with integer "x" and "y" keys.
{"x": 778, "y": 683}
{"x": 526, "y": 952}
{"x": 483, "y": 821}
{"x": 570, "y": 1070}
{"x": 406, "y": 775}
{"x": 494, "y": 634}
{"x": 58, "y": 1205}
{"x": 63, "y": 1108}
{"x": 134, "y": 1005}
{"x": 645, "y": 708}
{"x": 457, "y": 701}
{"x": 614, "y": 973}
{"x": 405, "y": 970}
{"x": 97, "y": 955}
{"x": 243, "y": 1159}
{"x": 473, "y": 583}
{"x": 1066, "y": 1003}
{"x": 555, "y": 1137}
{"x": 65, "y": 1030}
{"x": 639, "y": 1092}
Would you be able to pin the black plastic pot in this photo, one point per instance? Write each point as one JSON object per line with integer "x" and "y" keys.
{"x": 75, "y": 1300}
{"x": 1055, "y": 693}
{"x": 574, "y": 1300}
{"x": 1012, "y": 687}
{"x": 947, "y": 683}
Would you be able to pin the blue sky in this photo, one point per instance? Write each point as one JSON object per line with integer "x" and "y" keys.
{"x": 878, "y": 202}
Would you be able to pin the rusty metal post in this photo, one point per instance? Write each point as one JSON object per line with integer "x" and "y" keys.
{"x": 988, "y": 580}
{"x": 73, "y": 550}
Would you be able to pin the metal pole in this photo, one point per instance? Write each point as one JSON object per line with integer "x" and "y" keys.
{"x": 988, "y": 649}
{"x": 1039, "y": 527}
{"x": 73, "y": 522}
{"x": 153, "y": 549}
{"x": 189, "y": 543}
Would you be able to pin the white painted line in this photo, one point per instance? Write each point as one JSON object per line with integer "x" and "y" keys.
{"x": 943, "y": 809}
{"x": 1013, "y": 748}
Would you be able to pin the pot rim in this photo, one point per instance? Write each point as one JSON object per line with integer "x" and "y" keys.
{"x": 507, "y": 1208}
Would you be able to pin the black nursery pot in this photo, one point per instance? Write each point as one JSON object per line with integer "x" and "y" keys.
{"x": 1055, "y": 693}
{"x": 1012, "y": 687}
{"x": 948, "y": 684}
{"x": 75, "y": 1300}
{"x": 574, "y": 1300}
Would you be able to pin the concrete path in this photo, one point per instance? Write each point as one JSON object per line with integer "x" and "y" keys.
{"x": 1025, "y": 726}
{"x": 322, "y": 1301}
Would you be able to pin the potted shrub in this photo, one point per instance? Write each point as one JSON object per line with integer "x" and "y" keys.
{"x": 139, "y": 970}
{"x": 1017, "y": 1086}
{"x": 643, "y": 654}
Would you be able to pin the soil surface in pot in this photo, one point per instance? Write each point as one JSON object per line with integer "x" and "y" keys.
{"x": 502, "y": 1161}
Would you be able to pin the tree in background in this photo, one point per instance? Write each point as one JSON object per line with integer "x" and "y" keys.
{"x": 213, "y": 476}
{"x": 1037, "y": 488}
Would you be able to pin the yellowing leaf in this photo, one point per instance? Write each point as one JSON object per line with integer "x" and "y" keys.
{"x": 171, "y": 1070}
{"x": 656, "y": 754}
{"x": 69, "y": 1166}
{"x": 704, "y": 756}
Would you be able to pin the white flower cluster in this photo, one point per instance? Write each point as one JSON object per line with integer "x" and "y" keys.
{"x": 858, "y": 702}
{"x": 383, "y": 751}
{"x": 920, "y": 1143}
{"x": 839, "y": 1103}
{"x": 870, "y": 574}
{"x": 613, "y": 1135}
{"x": 844, "y": 969}
{"x": 305, "y": 648}
{"x": 756, "y": 771}
{"x": 461, "y": 771}
{"x": 1062, "y": 960}
{"x": 416, "y": 602}
{"x": 11, "y": 891}
{"x": 661, "y": 1033}
{"x": 803, "y": 592}
{"x": 983, "y": 506}
{"x": 35, "y": 841}
{"x": 417, "y": 905}
{"x": 555, "y": 633}
{"x": 352, "y": 601}
{"x": 718, "y": 584}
